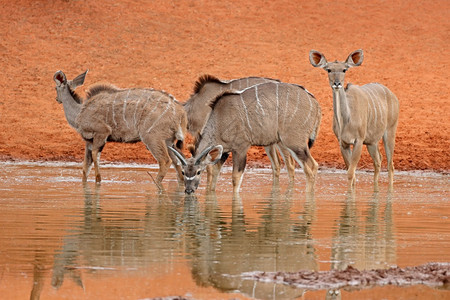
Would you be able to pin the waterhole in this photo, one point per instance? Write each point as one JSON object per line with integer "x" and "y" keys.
{"x": 123, "y": 239}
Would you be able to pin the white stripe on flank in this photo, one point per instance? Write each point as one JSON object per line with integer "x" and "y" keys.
{"x": 309, "y": 110}
{"x": 296, "y": 106}
{"x": 143, "y": 108}
{"x": 246, "y": 113}
{"x": 387, "y": 102}
{"x": 125, "y": 108}
{"x": 377, "y": 100}
{"x": 136, "y": 109}
{"x": 286, "y": 106}
{"x": 381, "y": 104}
{"x": 374, "y": 108}
{"x": 258, "y": 102}
{"x": 113, "y": 110}
{"x": 160, "y": 116}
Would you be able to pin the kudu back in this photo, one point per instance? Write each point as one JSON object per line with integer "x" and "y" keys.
{"x": 207, "y": 88}
{"x": 362, "y": 115}
{"x": 260, "y": 115}
{"x": 110, "y": 114}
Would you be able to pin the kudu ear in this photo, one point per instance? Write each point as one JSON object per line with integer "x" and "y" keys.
{"x": 78, "y": 81}
{"x": 317, "y": 59}
{"x": 355, "y": 58}
{"x": 214, "y": 155}
{"x": 180, "y": 159}
{"x": 59, "y": 78}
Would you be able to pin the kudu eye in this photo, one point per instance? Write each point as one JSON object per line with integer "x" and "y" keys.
{"x": 182, "y": 173}
{"x": 345, "y": 70}
{"x": 328, "y": 70}
{"x": 198, "y": 172}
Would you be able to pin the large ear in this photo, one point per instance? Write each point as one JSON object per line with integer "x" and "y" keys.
{"x": 181, "y": 160}
{"x": 317, "y": 59}
{"x": 59, "y": 78}
{"x": 78, "y": 81}
{"x": 355, "y": 58}
{"x": 214, "y": 155}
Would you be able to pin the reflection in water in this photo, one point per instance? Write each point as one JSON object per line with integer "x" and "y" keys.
{"x": 222, "y": 250}
{"x": 364, "y": 248}
{"x": 54, "y": 233}
{"x": 38, "y": 275}
{"x": 99, "y": 243}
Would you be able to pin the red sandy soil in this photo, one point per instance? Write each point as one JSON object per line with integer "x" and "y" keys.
{"x": 169, "y": 44}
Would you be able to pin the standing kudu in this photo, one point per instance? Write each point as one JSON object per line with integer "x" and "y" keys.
{"x": 208, "y": 88}
{"x": 123, "y": 115}
{"x": 263, "y": 115}
{"x": 362, "y": 115}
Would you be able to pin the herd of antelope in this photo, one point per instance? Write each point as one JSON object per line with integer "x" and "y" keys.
{"x": 231, "y": 116}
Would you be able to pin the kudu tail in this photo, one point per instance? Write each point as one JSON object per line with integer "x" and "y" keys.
{"x": 315, "y": 132}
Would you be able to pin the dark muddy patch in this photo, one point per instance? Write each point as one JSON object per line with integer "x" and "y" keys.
{"x": 436, "y": 275}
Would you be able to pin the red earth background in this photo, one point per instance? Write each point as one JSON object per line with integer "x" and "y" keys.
{"x": 168, "y": 44}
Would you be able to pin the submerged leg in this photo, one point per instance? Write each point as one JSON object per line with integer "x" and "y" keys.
{"x": 356, "y": 155}
{"x": 274, "y": 161}
{"x": 288, "y": 161}
{"x": 389, "y": 144}
{"x": 159, "y": 150}
{"x": 346, "y": 152}
{"x": 376, "y": 157}
{"x": 239, "y": 162}
{"x": 96, "y": 158}
{"x": 309, "y": 165}
{"x": 215, "y": 171}
{"x": 87, "y": 163}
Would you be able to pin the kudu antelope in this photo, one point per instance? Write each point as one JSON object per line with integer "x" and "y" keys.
{"x": 264, "y": 115}
{"x": 362, "y": 115}
{"x": 208, "y": 88}
{"x": 122, "y": 115}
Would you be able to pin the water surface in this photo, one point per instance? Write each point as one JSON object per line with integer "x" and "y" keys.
{"x": 60, "y": 239}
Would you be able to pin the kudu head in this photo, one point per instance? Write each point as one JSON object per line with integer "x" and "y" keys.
{"x": 63, "y": 85}
{"x": 336, "y": 70}
{"x": 194, "y": 166}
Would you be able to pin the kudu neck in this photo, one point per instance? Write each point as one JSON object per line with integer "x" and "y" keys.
{"x": 71, "y": 108}
{"x": 340, "y": 108}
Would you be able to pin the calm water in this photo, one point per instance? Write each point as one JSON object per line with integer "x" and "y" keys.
{"x": 124, "y": 240}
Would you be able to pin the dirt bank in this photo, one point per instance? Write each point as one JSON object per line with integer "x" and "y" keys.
{"x": 169, "y": 44}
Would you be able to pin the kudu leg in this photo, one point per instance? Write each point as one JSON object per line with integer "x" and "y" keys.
{"x": 356, "y": 155}
{"x": 346, "y": 152}
{"x": 376, "y": 157}
{"x": 389, "y": 144}
{"x": 178, "y": 168}
{"x": 309, "y": 165}
{"x": 214, "y": 171}
{"x": 96, "y": 158}
{"x": 239, "y": 162}
{"x": 87, "y": 163}
{"x": 161, "y": 154}
{"x": 274, "y": 161}
{"x": 288, "y": 161}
